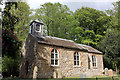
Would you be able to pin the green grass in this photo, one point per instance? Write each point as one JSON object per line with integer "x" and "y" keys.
{"x": 79, "y": 77}
{"x": 90, "y": 77}
{"x": 107, "y": 77}
{"x": 99, "y": 76}
{"x": 76, "y": 78}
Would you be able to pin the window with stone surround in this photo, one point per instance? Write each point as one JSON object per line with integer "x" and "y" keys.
{"x": 94, "y": 61}
{"x": 76, "y": 59}
{"x": 54, "y": 57}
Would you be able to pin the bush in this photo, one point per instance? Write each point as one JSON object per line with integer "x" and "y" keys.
{"x": 10, "y": 66}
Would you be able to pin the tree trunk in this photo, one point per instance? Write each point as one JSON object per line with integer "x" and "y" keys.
{"x": 116, "y": 68}
{"x": 53, "y": 33}
{"x": 48, "y": 29}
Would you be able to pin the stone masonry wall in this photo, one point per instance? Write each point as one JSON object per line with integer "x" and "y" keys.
{"x": 66, "y": 66}
{"x": 39, "y": 62}
{"x": 28, "y": 55}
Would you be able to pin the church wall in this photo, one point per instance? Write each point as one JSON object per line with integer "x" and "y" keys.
{"x": 66, "y": 66}
{"x": 28, "y": 57}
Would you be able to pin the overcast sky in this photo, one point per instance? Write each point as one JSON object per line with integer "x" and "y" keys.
{"x": 75, "y": 4}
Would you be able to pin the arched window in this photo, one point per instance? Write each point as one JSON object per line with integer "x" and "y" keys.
{"x": 54, "y": 57}
{"x": 76, "y": 59}
{"x": 94, "y": 60}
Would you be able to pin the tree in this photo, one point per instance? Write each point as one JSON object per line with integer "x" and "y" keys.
{"x": 86, "y": 25}
{"x": 44, "y": 14}
{"x": 23, "y": 13}
{"x": 56, "y": 17}
{"x": 10, "y": 44}
{"x": 93, "y": 24}
{"x": 110, "y": 46}
{"x": 115, "y": 15}
{"x": 10, "y": 66}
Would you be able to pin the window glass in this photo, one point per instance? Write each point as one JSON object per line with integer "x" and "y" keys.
{"x": 56, "y": 62}
{"x": 77, "y": 62}
{"x": 94, "y": 60}
{"x": 52, "y": 61}
{"x": 55, "y": 50}
{"x": 74, "y": 62}
{"x": 54, "y": 57}
{"x": 52, "y": 51}
{"x": 76, "y": 59}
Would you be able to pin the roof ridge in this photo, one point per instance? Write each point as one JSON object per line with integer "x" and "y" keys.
{"x": 59, "y": 38}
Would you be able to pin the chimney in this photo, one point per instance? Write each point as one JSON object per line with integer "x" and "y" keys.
{"x": 36, "y": 28}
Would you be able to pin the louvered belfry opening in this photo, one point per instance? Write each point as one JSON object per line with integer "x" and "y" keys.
{"x": 36, "y": 28}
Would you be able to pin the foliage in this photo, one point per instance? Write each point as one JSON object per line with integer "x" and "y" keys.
{"x": 115, "y": 15}
{"x": 57, "y": 18}
{"x": 114, "y": 35}
{"x": 92, "y": 24}
{"x": 10, "y": 44}
{"x": 23, "y": 14}
{"x": 10, "y": 66}
{"x": 85, "y": 26}
{"x": 110, "y": 46}
{"x": 20, "y": 17}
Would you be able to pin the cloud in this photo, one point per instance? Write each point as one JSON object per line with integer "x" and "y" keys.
{"x": 43, "y": 1}
{"x": 36, "y": 3}
{"x": 74, "y": 4}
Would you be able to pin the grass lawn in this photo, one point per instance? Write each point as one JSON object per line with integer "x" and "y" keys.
{"x": 76, "y": 78}
{"x": 98, "y": 78}
{"x": 90, "y": 77}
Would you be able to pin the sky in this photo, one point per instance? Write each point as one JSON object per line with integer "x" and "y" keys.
{"x": 76, "y": 4}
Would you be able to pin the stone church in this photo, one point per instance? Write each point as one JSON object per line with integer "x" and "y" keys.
{"x": 51, "y": 57}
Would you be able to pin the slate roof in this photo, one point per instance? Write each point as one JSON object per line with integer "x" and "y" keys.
{"x": 64, "y": 43}
{"x": 90, "y": 49}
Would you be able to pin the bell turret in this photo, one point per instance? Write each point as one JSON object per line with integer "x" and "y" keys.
{"x": 36, "y": 28}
